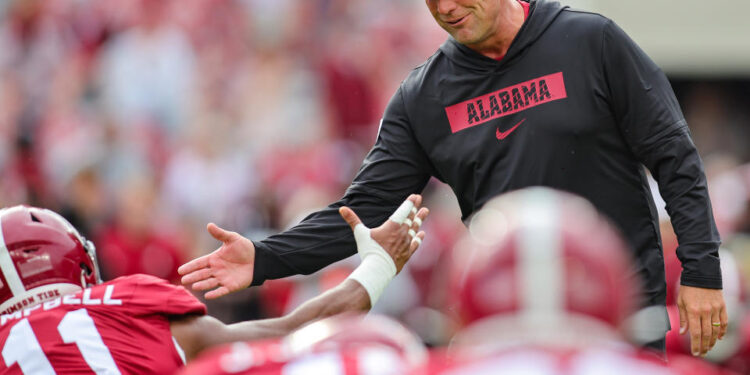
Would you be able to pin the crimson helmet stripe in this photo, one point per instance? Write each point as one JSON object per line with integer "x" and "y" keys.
{"x": 8, "y": 268}
{"x": 539, "y": 250}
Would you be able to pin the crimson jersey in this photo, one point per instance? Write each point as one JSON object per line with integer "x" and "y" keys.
{"x": 271, "y": 358}
{"x": 118, "y": 327}
{"x": 549, "y": 361}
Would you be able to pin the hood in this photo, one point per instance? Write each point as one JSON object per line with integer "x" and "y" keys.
{"x": 541, "y": 14}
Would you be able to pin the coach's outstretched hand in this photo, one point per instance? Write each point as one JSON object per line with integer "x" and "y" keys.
{"x": 228, "y": 269}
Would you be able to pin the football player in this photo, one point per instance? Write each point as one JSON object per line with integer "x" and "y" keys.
{"x": 341, "y": 345}
{"x": 57, "y": 316}
{"x": 543, "y": 284}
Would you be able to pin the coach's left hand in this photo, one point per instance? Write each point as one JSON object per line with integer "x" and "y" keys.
{"x": 699, "y": 309}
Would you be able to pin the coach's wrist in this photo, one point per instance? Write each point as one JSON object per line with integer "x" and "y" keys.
{"x": 262, "y": 262}
{"x": 701, "y": 281}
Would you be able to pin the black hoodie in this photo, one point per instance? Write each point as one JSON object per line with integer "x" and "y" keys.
{"x": 575, "y": 105}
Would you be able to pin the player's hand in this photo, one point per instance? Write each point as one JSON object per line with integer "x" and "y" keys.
{"x": 228, "y": 269}
{"x": 700, "y": 309}
{"x": 400, "y": 241}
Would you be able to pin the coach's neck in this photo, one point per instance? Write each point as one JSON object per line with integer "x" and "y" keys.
{"x": 507, "y": 24}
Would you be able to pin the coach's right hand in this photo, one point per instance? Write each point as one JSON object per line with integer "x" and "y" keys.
{"x": 228, "y": 269}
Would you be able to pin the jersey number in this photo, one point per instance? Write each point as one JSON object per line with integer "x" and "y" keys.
{"x": 77, "y": 327}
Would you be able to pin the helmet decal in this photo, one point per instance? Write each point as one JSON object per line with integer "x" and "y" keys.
{"x": 6, "y": 265}
{"x": 42, "y": 256}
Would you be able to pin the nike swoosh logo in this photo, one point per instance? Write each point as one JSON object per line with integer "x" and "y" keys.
{"x": 502, "y": 135}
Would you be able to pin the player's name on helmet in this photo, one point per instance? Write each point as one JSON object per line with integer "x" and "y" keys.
{"x": 84, "y": 298}
{"x": 42, "y": 296}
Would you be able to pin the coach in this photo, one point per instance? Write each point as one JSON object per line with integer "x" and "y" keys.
{"x": 522, "y": 94}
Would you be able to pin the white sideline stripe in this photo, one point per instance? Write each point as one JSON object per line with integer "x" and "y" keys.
{"x": 9, "y": 270}
{"x": 539, "y": 252}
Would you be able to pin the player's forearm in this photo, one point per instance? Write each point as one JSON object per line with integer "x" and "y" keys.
{"x": 196, "y": 333}
{"x": 349, "y": 296}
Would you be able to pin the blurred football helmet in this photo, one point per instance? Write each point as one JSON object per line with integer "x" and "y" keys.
{"x": 541, "y": 258}
{"x": 42, "y": 256}
{"x": 349, "y": 331}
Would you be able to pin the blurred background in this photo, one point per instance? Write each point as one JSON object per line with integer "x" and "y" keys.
{"x": 141, "y": 121}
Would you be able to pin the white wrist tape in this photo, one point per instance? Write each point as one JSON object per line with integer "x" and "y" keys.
{"x": 374, "y": 276}
{"x": 377, "y": 268}
{"x": 402, "y": 212}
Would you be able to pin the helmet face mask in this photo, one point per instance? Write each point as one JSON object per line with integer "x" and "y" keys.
{"x": 42, "y": 256}
{"x": 86, "y": 272}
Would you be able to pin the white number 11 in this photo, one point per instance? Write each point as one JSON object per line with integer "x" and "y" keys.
{"x": 77, "y": 327}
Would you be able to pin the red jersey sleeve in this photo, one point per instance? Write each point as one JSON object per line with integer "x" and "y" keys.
{"x": 146, "y": 295}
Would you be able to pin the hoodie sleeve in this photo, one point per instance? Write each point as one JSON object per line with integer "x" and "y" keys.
{"x": 395, "y": 168}
{"x": 652, "y": 124}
